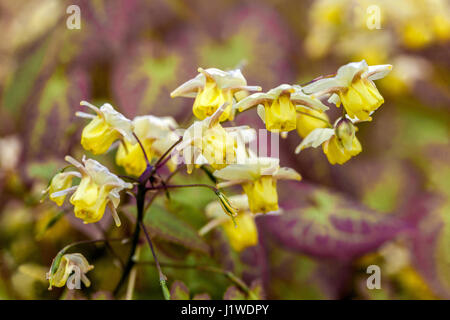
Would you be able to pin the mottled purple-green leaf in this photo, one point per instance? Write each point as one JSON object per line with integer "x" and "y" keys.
{"x": 327, "y": 224}
{"x": 179, "y": 291}
{"x": 233, "y": 293}
{"x": 202, "y": 296}
{"x": 296, "y": 276}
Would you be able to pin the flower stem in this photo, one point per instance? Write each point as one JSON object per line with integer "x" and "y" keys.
{"x": 142, "y": 148}
{"x": 228, "y": 274}
{"x": 162, "y": 277}
{"x": 159, "y": 163}
{"x": 169, "y": 186}
{"x": 140, "y": 198}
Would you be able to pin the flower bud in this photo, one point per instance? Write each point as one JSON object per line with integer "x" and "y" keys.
{"x": 345, "y": 132}
{"x": 64, "y": 265}
{"x": 60, "y": 181}
{"x": 226, "y": 205}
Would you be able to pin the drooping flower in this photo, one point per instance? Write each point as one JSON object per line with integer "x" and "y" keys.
{"x": 339, "y": 143}
{"x": 308, "y": 120}
{"x": 105, "y": 128}
{"x": 241, "y": 235}
{"x": 277, "y": 108}
{"x": 61, "y": 181}
{"x": 258, "y": 178}
{"x": 156, "y": 135}
{"x": 353, "y": 87}
{"x": 212, "y": 88}
{"x": 97, "y": 189}
{"x": 207, "y": 142}
{"x": 63, "y": 266}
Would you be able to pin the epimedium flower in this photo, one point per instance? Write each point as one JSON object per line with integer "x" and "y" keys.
{"x": 156, "y": 135}
{"x": 308, "y": 120}
{"x": 64, "y": 265}
{"x": 339, "y": 143}
{"x": 207, "y": 142}
{"x": 353, "y": 86}
{"x": 61, "y": 181}
{"x": 98, "y": 188}
{"x": 212, "y": 88}
{"x": 277, "y": 108}
{"x": 106, "y": 126}
{"x": 241, "y": 235}
{"x": 258, "y": 178}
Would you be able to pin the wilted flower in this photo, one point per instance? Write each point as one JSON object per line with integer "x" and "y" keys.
{"x": 105, "y": 128}
{"x": 277, "y": 107}
{"x": 207, "y": 142}
{"x": 258, "y": 178}
{"x": 63, "y": 266}
{"x": 98, "y": 187}
{"x": 212, "y": 88}
{"x": 243, "y": 233}
{"x": 339, "y": 144}
{"x": 156, "y": 135}
{"x": 353, "y": 86}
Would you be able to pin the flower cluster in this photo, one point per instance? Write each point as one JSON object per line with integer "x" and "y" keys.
{"x": 146, "y": 143}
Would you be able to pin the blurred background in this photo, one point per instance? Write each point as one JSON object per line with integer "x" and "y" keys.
{"x": 389, "y": 206}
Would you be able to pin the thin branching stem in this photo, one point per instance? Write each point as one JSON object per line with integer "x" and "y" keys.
{"x": 162, "y": 277}
{"x": 142, "y": 148}
{"x": 228, "y": 274}
{"x": 159, "y": 162}
{"x": 170, "y": 186}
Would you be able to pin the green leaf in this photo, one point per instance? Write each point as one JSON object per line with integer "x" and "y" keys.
{"x": 168, "y": 227}
{"x": 20, "y": 86}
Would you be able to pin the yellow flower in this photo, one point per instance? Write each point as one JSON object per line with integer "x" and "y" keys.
{"x": 306, "y": 123}
{"x": 98, "y": 187}
{"x": 210, "y": 98}
{"x": 339, "y": 144}
{"x": 262, "y": 194}
{"x": 258, "y": 178}
{"x": 207, "y": 142}
{"x": 105, "y": 128}
{"x": 90, "y": 199}
{"x": 132, "y": 158}
{"x": 212, "y": 88}
{"x": 241, "y": 234}
{"x": 63, "y": 266}
{"x": 277, "y": 108}
{"x": 60, "y": 181}
{"x": 353, "y": 87}
{"x": 336, "y": 153}
{"x": 156, "y": 135}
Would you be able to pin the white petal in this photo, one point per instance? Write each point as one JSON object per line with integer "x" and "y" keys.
{"x": 309, "y": 101}
{"x": 252, "y": 100}
{"x": 63, "y": 192}
{"x": 315, "y": 138}
{"x": 287, "y": 174}
{"x": 189, "y": 88}
{"x": 261, "y": 111}
{"x": 377, "y": 72}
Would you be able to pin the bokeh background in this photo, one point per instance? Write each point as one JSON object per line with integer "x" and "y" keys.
{"x": 389, "y": 206}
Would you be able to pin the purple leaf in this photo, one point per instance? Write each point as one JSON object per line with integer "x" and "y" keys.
{"x": 321, "y": 223}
